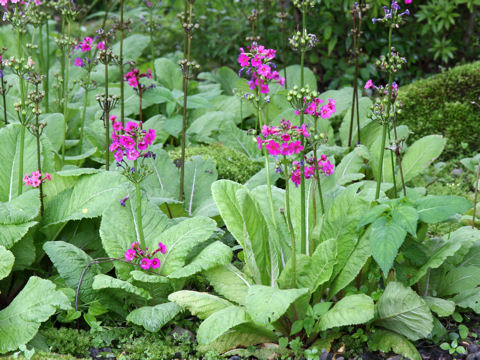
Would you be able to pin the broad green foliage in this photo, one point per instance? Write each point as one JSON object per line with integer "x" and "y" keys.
{"x": 265, "y": 304}
{"x": 401, "y": 310}
{"x": 386, "y": 341}
{"x": 6, "y": 262}
{"x": 102, "y": 281}
{"x": 433, "y": 209}
{"x": 351, "y": 310}
{"x": 219, "y": 323}
{"x": 17, "y": 217}
{"x": 153, "y": 318}
{"x": 440, "y": 306}
{"x": 230, "y": 282}
{"x": 19, "y": 321}
{"x": 70, "y": 261}
{"x": 200, "y": 304}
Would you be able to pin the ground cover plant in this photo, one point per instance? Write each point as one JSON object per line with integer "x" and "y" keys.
{"x": 150, "y": 208}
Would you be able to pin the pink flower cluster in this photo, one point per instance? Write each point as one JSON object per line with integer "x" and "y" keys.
{"x": 85, "y": 46}
{"x": 133, "y": 77}
{"x": 325, "y": 111}
{"x": 284, "y": 140}
{"x": 258, "y": 64}
{"x": 36, "y": 179}
{"x": 146, "y": 259}
{"x": 323, "y": 165}
{"x": 130, "y": 141}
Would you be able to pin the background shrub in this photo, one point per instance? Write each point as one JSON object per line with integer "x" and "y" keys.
{"x": 442, "y": 104}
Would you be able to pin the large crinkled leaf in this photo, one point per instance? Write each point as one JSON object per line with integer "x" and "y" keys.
{"x": 169, "y": 74}
{"x": 458, "y": 280}
{"x": 219, "y": 323}
{"x": 353, "y": 266}
{"x": 6, "y": 262}
{"x": 153, "y": 318}
{"x": 386, "y": 341}
{"x": 351, "y": 310}
{"x": 117, "y": 220}
{"x": 10, "y": 157}
{"x": 242, "y": 335}
{"x": 102, "y": 281}
{"x": 200, "y": 174}
{"x": 434, "y": 209}
{"x": 70, "y": 262}
{"x": 17, "y": 216}
{"x": 406, "y": 217}
{"x": 180, "y": 239}
{"x": 266, "y": 304}
{"x": 24, "y": 251}
{"x": 223, "y": 192}
{"x": 199, "y": 304}
{"x": 206, "y": 125}
{"x": 88, "y": 199}
{"x": 420, "y": 154}
{"x": 133, "y": 46}
{"x": 469, "y": 299}
{"x": 463, "y": 237}
{"x": 386, "y": 238}
{"x": 440, "y": 306}
{"x": 229, "y": 282}
{"x": 20, "y": 321}
{"x": 215, "y": 254}
{"x": 340, "y": 223}
{"x": 312, "y": 271}
{"x": 401, "y": 310}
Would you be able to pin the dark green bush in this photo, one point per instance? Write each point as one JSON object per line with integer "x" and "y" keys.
{"x": 231, "y": 164}
{"x": 442, "y": 104}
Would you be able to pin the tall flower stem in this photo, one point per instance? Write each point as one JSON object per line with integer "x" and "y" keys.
{"x": 267, "y": 163}
{"x": 385, "y": 123}
{"x": 283, "y": 18}
{"x": 317, "y": 174}
{"x": 392, "y": 161}
{"x": 3, "y": 91}
{"x": 399, "y": 156}
{"x": 107, "y": 121}
{"x": 475, "y": 201}
{"x": 138, "y": 193}
{"x": 291, "y": 230}
{"x": 152, "y": 52}
{"x": 84, "y": 112}
{"x": 120, "y": 64}
{"x": 21, "y": 80}
{"x": 187, "y": 44}
{"x": 39, "y": 162}
{"x": 66, "y": 90}
{"x": 46, "y": 80}
{"x": 303, "y": 244}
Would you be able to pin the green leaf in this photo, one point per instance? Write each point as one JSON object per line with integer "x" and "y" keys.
{"x": 21, "y": 319}
{"x": 208, "y": 124}
{"x": 406, "y": 217}
{"x": 10, "y": 157}
{"x": 229, "y": 282}
{"x": 219, "y": 323}
{"x": 354, "y": 264}
{"x": 70, "y": 262}
{"x": 89, "y": 197}
{"x": 180, "y": 239}
{"x": 133, "y": 47}
{"x": 266, "y": 304}
{"x": 386, "y": 238}
{"x": 311, "y": 271}
{"x": 200, "y": 174}
{"x": 463, "y": 237}
{"x": 103, "y": 281}
{"x": 199, "y": 304}
{"x": 434, "y": 209}
{"x": 121, "y": 220}
{"x": 386, "y": 341}
{"x": 169, "y": 74}
{"x": 215, "y": 254}
{"x": 469, "y": 299}
{"x": 351, "y": 310}
{"x": 223, "y": 192}
{"x": 373, "y": 214}
{"x": 459, "y": 279}
{"x": 420, "y": 154}
{"x": 17, "y": 217}
{"x": 293, "y": 76}
{"x": 440, "y": 306}
{"x": 463, "y": 331}
{"x": 6, "y": 262}
{"x": 401, "y": 310}
{"x": 153, "y": 318}
{"x": 54, "y": 129}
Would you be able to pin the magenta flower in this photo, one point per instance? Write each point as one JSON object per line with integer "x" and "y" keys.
{"x": 132, "y": 154}
{"x": 36, "y": 179}
{"x": 101, "y": 46}
{"x": 155, "y": 263}
{"x": 162, "y": 248}
{"x": 131, "y": 126}
{"x": 145, "y": 263}
{"x": 130, "y": 254}
{"x": 79, "y": 62}
{"x": 369, "y": 84}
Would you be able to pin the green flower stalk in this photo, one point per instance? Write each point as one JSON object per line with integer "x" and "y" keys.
{"x": 122, "y": 27}
{"x": 282, "y": 17}
{"x": 188, "y": 68}
{"x": 4, "y": 86}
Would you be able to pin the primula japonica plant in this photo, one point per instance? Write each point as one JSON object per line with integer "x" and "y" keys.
{"x": 133, "y": 78}
{"x": 145, "y": 259}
